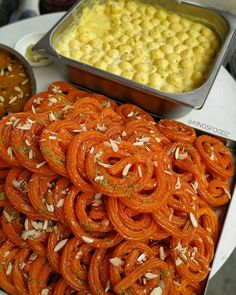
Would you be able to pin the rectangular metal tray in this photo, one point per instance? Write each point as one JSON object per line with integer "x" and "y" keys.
{"x": 155, "y": 101}
{"x": 227, "y": 240}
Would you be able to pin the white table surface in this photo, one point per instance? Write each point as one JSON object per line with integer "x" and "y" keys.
{"x": 10, "y": 34}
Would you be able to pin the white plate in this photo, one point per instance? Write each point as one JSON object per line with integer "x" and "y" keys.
{"x": 27, "y": 40}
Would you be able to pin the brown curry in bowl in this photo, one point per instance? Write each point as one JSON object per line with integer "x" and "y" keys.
{"x": 17, "y": 83}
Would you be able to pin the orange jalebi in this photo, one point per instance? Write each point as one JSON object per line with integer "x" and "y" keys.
{"x": 98, "y": 198}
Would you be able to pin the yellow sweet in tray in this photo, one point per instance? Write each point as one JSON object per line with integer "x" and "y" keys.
{"x": 144, "y": 43}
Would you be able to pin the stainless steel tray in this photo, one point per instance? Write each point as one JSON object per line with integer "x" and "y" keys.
{"x": 158, "y": 102}
{"x": 227, "y": 228}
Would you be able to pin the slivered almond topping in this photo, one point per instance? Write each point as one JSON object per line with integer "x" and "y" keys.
{"x": 9, "y": 268}
{"x": 184, "y": 257}
{"x": 13, "y": 99}
{"x": 149, "y": 275}
{"x": 45, "y": 291}
{"x": 91, "y": 150}
{"x": 130, "y": 114}
{"x": 97, "y": 203}
{"x": 171, "y": 150}
{"x": 106, "y": 104}
{"x": 26, "y": 224}
{"x": 39, "y": 165}
{"x": 142, "y": 258}
{"x": 162, "y": 253}
{"x": 178, "y": 261}
{"x": 182, "y": 156}
{"x": 176, "y": 283}
{"x": 140, "y": 171}
{"x": 18, "y": 89}
{"x": 195, "y": 261}
{"x": 2, "y": 99}
{"x": 13, "y": 118}
{"x": 37, "y": 225}
{"x": 99, "y": 178}
{"x": 28, "y": 233}
{"x": 27, "y": 142}
{"x": 195, "y": 186}
{"x": 97, "y": 196}
{"x": 60, "y": 203}
{"x": 53, "y": 100}
{"x": 67, "y": 108}
{"x": 97, "y": 156}
{"x": 52, "y": 117}
{"x": 22, "y": 265}
{"x": 33, "y": 256}
{"x": 45, "y": 224}
{"x": 24, "y": 82}
{"x": 155, "y": 163}
{"x": 26, "y": 126}
{"x": 114, "y": 146}
{"x": 8, "y": 217}
{"x": 124, "y": 133}
{"x": 144, "y": 139}
{"x": 138, "y": 143}
{"x": 156, "y": 291}
{"x": 177, "y": 153}
{"x": 171, "y": 214}
{"x": 168, "y": 172}
{"x": 126, "y": 170}
{"x": 33, "y": 109}
{"x": 78, "y": 130}
{"x": 60, "y": 245}
{"x": 193, "y": 220}
{"x": 178, "y": 247}
{"x": 116, "y": 261}
{"x": 105, "y": 165}
{"x": 101, "y": 128}
{"x": 108, "y": 286}
{"x": 87, "y": 239}
{"x": 16, "y": 122}
{"x": 30, "y": 121}
{"x": 212, "y": 157}
{"x": 10, "y": 152}
{"x": 49, "y": 207}
{"x": 227, "y": 193}
{"x": 31, "y": 154}
{"x": 16, "y": 183}
{"x": 52, "y": 137}
{"x": 78, "y": 255}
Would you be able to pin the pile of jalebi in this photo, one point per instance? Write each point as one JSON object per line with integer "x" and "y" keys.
{"x": 97, "y": 198}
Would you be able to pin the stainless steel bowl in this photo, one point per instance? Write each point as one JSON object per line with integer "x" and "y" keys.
{"x": 155, "y": 101}
{"x": 26, "y": 65}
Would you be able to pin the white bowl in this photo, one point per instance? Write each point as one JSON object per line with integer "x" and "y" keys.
{"x": 27, "y": 40}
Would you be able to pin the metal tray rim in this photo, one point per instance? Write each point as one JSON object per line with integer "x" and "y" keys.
{"x": 193, "y": 99}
